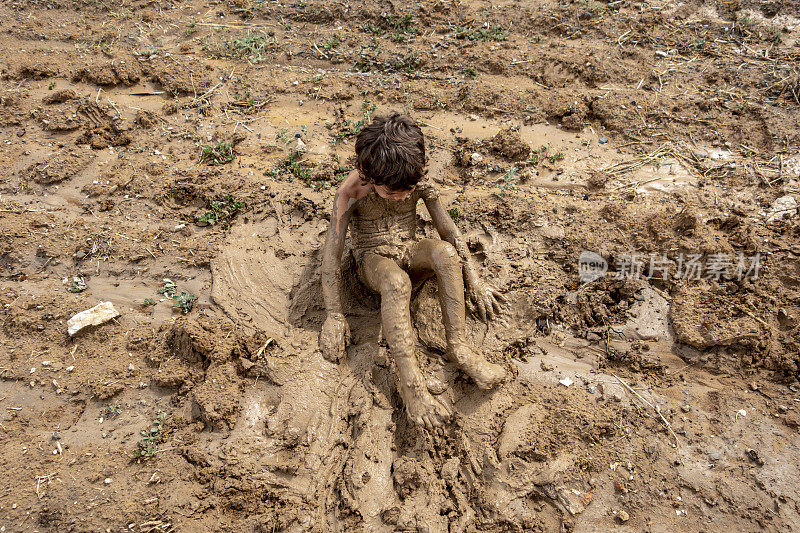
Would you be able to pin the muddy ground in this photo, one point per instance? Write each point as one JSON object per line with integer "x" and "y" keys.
{"x": 152, "y": 140}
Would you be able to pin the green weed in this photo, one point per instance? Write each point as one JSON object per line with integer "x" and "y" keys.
{"x": 281, "y": 135}
{"x": 217, "y": 154}
{"x": 369, "y": 27}
{"x": 111, "y": 411}
{"x": 184, "y": 301}
{"x": 537, "y": 154}
{"x": 491, "y": 33}
{"x": 510, "y": 181}
{"x": 222, "y": 212}
{"x": 149, "y": 302}
{"x": 168, "y": 289}
{"x": 147, "y": 446}
{"x": 401, "y": 27}
{"x": 78, "y": 284}
{"x": 453, "y": 212}
{"x": 558, "y": 156}
{"x": 351, "y": 129}
{"x": 254, "y": 47}
{"x": 331, "y": 43}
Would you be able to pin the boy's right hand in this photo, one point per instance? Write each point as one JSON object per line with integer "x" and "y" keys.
{"x": 334, "y": 337}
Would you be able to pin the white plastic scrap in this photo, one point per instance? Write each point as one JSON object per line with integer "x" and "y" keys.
{"x": 783, "y": 208}
{"x": 566, "y": 382}
{"x": 100, "y": 313}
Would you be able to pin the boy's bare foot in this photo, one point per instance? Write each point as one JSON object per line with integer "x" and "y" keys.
{"x": 421, "y": 406}
{"x": 485, "y": 374}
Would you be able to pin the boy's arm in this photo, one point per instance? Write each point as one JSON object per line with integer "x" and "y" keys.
{"x": 335, "y": 331}
{"x": 486, "y": 299}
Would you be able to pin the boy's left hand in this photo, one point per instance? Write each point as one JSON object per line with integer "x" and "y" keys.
{"x": 485, "y": 299}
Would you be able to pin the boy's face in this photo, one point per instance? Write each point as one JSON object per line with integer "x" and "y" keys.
{"x": 390, "y": 194}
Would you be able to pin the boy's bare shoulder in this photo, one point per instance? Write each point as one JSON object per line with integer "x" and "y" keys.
{"x": 352, "y": 188}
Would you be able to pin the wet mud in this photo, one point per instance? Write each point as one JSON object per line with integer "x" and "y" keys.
{"x": 202, "y": 144}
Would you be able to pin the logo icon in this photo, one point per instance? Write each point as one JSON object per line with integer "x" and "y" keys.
{"x": 591, "y": 266}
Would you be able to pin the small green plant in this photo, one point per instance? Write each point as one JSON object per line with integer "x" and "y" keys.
{"x": 510, "y": 181}
{"x": 469, "y": 71}
{"x": 78, "y": 284}
{"x": 407, "y": 63}
{"x": 51, "y": 86}
{"x": 558, "y": 156}
{"x": 487, "y": 33}
{"x": 401, "y": 27}
{"x": 255, "y": 47}
{"x": 222, "y": 212}
{"x": 350, "y": 128}
{"x": 217, "y": 154}
{"x": 538, "y": 154}
{"x": 147, "y": 54}
{"x": 369, "y": 27}
{"x": 168, "y": 289}
{"x": 453, "y": 212}
{"x": 331, "y": 43}
{"x": 190, "y": 29}
{"x": 111, "y": 411}
{"x": 184, "y": 301}
{"x": 149, "y": 302}
{"x": 281, "y": 135}
{"x": 147, "y": 446}
{"x": 594, "y": 7}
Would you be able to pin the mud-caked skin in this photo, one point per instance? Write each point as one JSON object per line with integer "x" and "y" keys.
{"x": 390, "y": 262}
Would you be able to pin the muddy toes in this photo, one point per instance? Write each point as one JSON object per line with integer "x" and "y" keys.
{"x": 488, "y": 375}
{"x": 485, "y": 374}
{"x": 425, "y": 410}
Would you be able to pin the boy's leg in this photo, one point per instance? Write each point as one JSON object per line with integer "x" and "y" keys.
{"x": 440, "y": 257}
{"x": 383, "y": 276}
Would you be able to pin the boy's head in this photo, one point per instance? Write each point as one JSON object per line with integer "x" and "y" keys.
{"x": 390, "y": 153}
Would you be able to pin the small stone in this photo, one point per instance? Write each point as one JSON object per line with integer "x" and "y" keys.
{"x": 623, "y": 516}
{"x": 70, "y": 368}
{"x": 686, "y": 408}
{"x": 603, "y": 140}
{"x": 753, "y": 385}
{"x": 753, "y": 455}
{"x": 95, "y": 316}
{"x": 107, "y": 481}
{"x": 782, "y": 408}
{"x": 566, "y": 382}
{"x": 475, "y": 158}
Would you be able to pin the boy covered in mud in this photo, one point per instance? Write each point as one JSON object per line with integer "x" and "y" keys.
{"x": 378, "y": 201}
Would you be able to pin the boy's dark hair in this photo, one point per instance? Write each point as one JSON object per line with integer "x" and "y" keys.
{"x": 391, "y": 152}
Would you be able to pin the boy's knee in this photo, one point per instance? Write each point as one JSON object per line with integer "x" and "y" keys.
{"x": 445, "y": 255}
{"x": 396, "y": 282}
